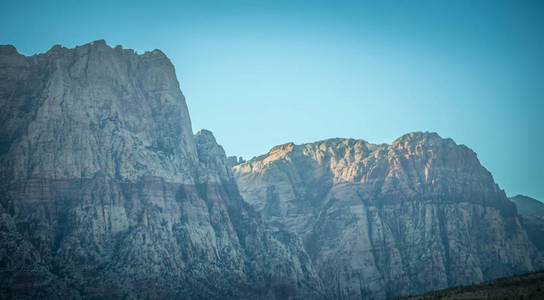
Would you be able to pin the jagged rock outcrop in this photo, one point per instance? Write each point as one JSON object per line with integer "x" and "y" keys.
{"x": 106, "y": 193}
{"x": 234, "y": 161}
{"x": 386, "y": 220}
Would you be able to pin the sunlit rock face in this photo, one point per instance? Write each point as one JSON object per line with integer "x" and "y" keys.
{"x": 106, "y": 192}
{"x": 386, "y": 220}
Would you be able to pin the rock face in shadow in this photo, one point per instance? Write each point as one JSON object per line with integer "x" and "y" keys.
{"x": 106, "y": 193}
{"x": 528, "y": 206}
{"x": 387, "y": 220}
{"x": 531, "y": 213}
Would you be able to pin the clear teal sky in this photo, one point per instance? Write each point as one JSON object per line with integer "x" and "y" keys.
{"x": 262, "y": 73}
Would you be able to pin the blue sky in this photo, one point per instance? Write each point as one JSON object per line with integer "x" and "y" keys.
{"x": 262, "y": 73}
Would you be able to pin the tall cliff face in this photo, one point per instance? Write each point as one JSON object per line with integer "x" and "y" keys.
{"x": 386, "y": 220}
{"x": 105, "y": 192}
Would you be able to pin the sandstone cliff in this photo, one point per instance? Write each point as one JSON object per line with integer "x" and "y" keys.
{"x": 385, "y": 220}
{"x": 105, "y": 192}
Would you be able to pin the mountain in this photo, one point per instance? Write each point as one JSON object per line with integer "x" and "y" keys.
{"x": 385, "y": 220}
{"x": 526, "y": 286}
{"x": 106, "y": 193}
{"x": 528, "y": 206}
{"x": 532, "y": 218}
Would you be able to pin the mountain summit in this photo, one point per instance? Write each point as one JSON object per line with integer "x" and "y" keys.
{"x": 106, "y": 192}
{"x": 385, "y": 220}
{"x": 528, "y": 206}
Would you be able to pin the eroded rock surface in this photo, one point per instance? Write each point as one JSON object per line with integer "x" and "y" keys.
{"x": 106, "y": 193}
{"x": 385, "y": 220}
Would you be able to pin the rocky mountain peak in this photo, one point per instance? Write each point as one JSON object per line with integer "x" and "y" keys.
{"x": 422, "y": 138}
{"x": 284, "y": 148}
{"x": 99, "y": 43}
{"x": 377, "y": 218}
{"x": 205, "y": 135}
{"x": 55, "y": 49}
{"x": 79, "y": 100}
{"x": 106, "y": 193}
{"x": 528, "y": 206}
{"x": 8, "y": 50}
{"x": 211, "y": 154}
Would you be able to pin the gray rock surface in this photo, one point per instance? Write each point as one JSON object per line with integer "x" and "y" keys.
{"x": 528, "y": 206}
{"x": 531, "y": 213}
{"x": 534, "y": 226}
{"x": 386, "y": 220}
{"x": 106, "y": 193}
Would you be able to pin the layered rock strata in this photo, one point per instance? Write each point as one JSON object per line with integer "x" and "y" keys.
{"x": 106, "y": 192}
{"x": 386, "y": 220}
